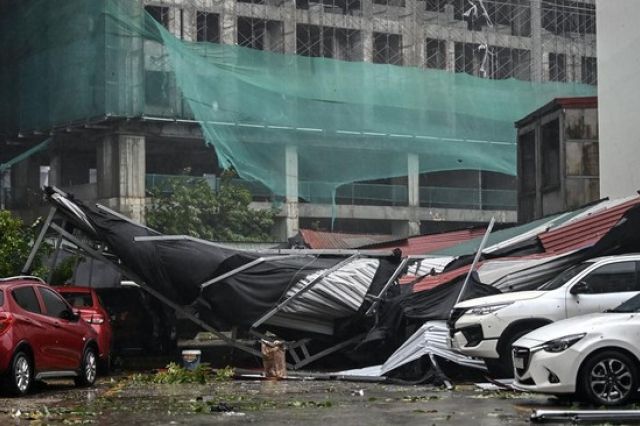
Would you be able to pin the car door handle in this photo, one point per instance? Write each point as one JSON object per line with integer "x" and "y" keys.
{"x": 56, "y": 324}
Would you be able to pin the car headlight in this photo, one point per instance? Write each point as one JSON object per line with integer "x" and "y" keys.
{"x": 559, "y": 345}
{"x": 489, "y": 309}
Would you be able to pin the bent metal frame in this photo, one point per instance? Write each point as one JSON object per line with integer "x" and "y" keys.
{"x": 297, "y": 350}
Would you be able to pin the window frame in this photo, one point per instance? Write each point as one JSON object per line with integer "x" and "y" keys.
{"x": 35, "y": 294}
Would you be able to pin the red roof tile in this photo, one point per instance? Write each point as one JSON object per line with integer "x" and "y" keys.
{"x": 424, "y": 244}
{"x": 584, "y": 232}
{"x": 336, "y": 240}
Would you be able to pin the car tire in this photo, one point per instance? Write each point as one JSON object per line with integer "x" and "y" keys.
{"x": 88, "y": 368}
{"x": 20, "y": 377}
{"x": 503, "y": 367}
{"x": 608, "y": 378}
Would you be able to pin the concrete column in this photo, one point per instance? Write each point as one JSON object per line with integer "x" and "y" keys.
{"x": 228, "y": 23}
{"x": 576, "y": 68}
{"x": 25, "y": 183}
{"x": 55, "y": 170}
{"x": 289, "y": 14}
{"x": 537, "y": 57}
{"x": 189, "y": 28}
{"x": 450, "y": 55}
{"x": 366, "y": 34}
{"x": 291, "y": 186}
{"x": 121, "y": 174}
{"x": 413, "y": 186}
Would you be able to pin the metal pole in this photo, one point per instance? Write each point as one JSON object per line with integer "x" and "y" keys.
{"x": 303, "y": 290}
{"x": 393, "y": 277}
{"x": 38, "y": 242}
{"x": 243, "y": 268}
{"x": 475, "y": 259}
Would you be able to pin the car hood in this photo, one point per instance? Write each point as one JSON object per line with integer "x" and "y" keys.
{"x": 581, "y": 324}
{"x": 500, "y": 298}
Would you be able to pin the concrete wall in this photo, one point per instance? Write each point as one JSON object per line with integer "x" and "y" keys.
{"x": 618, "y": 96}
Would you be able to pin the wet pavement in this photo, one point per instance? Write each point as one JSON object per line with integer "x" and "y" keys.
{"x": 120, "y": 400}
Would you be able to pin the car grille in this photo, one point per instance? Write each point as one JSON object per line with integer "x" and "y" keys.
{"x": 456, "y": 313}
{"x": 473, "y": 334}
{"x": 524, "y": 354}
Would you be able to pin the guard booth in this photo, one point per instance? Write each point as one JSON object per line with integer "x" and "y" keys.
{"x": 558, "y": 163}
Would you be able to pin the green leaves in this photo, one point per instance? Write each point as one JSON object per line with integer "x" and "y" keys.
{"x": 186, "y": 205}
{"x": 15, "y": 244}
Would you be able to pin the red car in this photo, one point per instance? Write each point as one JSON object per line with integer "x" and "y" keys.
{"x": 41, "y": 337}
{"x": 87, "y": 303}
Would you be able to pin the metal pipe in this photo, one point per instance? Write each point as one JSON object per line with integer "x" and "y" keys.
{"x": 243, "y": 268}
{"x": 475, "y": 259}
{"x": 388, "y": 284}
{"x": 38, "y": 242}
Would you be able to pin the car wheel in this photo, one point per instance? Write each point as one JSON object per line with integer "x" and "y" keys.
{"x": 88, "y": 368}
{"x": 609, "y": 378}
{"x": 21, "y": 374}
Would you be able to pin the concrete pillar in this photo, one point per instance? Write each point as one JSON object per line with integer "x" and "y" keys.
{"x": 121, "y": 169}
{"x": 450, "y": 55}
{"x": 537, "y": 58}
{"x": 366, "y": 36}
{"x": 189, "y": 27}
{"x": 25, "y": 183}
{"x": 291, "y": 186}
{"x": 413, "y": 186}
{"x": 289, "y": 15}
{"x": 228, "y": 23}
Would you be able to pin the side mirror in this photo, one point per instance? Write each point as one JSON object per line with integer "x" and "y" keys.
{"x": 579, "y": 288}
{"x": 69, "y": 316}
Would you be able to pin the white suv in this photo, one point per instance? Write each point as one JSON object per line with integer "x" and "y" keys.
{"x": 487, "y": 327}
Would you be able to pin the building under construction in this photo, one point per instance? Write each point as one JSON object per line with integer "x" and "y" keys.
{"x": 112, "y": 105}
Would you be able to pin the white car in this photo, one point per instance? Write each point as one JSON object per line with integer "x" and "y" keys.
{"x": 488, "y": 326}
{"x": 593, "y": 355}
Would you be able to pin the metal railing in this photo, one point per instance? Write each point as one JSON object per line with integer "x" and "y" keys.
{"x": 371, "y": 194}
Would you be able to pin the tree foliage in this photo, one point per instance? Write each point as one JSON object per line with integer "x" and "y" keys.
{"x": 189, "y": 206}
{"x": 15, "y": 244}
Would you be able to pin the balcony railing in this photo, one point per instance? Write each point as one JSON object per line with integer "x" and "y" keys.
{"x": 373, "y": 194}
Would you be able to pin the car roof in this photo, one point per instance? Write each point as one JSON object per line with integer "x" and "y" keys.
{"x": 21, "y": 279}
{"x": 73, "y": 289}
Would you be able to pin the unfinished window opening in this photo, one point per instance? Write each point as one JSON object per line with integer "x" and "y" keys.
{"x": 566, "y": 17}
{"x": 387, "y": 48}
{"x": 436, "y": 53}
{"x": 344, "y": 7}
{"x": 550, "y": 147}
{"x": 510, "y": 63}
{"x": 328, "y": 42}
{"x": 436, "y": 5}
{"x": 589, "y": 68}
{"x": 557, "y": 67}
{"x": 208, "y": 27}
{"x": 159, "y": 13}
{"x": 261, "y": 34}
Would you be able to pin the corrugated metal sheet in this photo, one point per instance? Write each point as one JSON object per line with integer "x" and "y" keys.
{"x": 336, "y": 240}
{"x": 425, "y": 244}
{"x": 585, "y": 232}
{"x": 430, "y": 282}
{"x": 337, "y": 295}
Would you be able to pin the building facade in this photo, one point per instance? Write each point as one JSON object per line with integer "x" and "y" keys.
{"x": 115, "y": 160}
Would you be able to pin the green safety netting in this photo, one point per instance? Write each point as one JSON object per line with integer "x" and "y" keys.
{"x": 345, "y": 121}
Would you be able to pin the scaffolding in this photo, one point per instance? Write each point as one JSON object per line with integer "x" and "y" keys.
{"x": 538, "y": 40}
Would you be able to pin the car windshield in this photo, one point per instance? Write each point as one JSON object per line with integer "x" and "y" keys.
{"x": 631, "y": 305}
{"x": 78, "y": 300}
{"x": 565, "y": 276}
